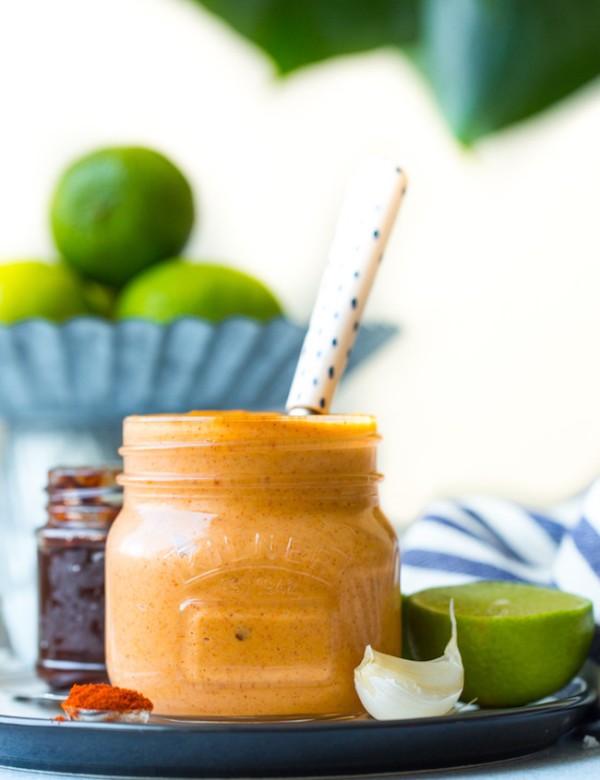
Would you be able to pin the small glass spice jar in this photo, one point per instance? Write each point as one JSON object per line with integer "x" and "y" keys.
{"x": 82, "y": 503}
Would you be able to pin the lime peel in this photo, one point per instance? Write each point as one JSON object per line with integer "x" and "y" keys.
{"x": 518, "y": 642}
{"x": 393, "y": 688}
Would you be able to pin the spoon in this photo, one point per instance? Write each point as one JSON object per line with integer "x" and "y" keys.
{"x": 57, "y": 698}
{"x": 49, "y": 699}
{"x": 107, "y": 716}
{"x": 369, "y": 208}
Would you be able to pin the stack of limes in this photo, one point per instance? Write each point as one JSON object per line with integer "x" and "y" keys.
{"x": 120, "y": 216}
{"x": 518, "y": 642}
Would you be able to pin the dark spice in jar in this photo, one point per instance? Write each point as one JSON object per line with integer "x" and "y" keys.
{"x": 82, "y": 503}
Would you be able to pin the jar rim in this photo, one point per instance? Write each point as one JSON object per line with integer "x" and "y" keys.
{"x": 218, "y": 482}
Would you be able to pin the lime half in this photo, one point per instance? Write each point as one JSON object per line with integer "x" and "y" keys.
{"x": 518, "y": 642}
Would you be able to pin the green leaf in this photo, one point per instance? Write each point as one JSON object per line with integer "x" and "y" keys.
{"x": 299, "y": 32}
{"x": 491, "y": 62}
{"x": 494, "y": 62}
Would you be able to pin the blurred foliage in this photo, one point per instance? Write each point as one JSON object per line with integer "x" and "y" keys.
{"x": 494, "y": 62}
{"x": 490, "y": 62}
{"x": 298, "y": 32}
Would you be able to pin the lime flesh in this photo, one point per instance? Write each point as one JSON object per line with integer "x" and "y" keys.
{"x": 518, "y": 642}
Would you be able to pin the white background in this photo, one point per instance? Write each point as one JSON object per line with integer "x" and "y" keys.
{"x": 493, "y": 271}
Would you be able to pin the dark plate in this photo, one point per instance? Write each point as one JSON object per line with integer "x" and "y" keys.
{"x": 288, "y": 749}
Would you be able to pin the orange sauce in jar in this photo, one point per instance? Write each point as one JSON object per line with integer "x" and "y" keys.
{"x": 250, "y": 564}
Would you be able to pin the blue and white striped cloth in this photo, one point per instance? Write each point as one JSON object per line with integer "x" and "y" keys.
{"x": 481, "y": 538}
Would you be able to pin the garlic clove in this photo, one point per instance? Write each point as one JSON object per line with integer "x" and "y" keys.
{"x": 393, "y": 688}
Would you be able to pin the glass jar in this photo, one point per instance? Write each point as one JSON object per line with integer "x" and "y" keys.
{"x": 250, "y": 565}
{"x": 82, "y": 503}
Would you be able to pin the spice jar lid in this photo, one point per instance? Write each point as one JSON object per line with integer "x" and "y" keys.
{"x": 84, "y": 490}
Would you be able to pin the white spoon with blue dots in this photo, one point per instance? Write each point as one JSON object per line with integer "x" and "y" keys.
{"x": 369, "y": 209}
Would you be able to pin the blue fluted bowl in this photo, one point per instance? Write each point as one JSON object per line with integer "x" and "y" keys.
{"x": 90, "y": 370}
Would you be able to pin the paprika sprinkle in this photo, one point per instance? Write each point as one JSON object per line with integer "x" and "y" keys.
{"x": 109, "y": 699}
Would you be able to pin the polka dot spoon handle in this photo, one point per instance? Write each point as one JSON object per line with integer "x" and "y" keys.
{"x": 368, "y": 212}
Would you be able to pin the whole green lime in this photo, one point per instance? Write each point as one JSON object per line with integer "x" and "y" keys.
{"x": 176, "y": 288}
{"x": 119, "y": 210}
{"x": 32, "y": 288}
{"x": 518, "y": 642}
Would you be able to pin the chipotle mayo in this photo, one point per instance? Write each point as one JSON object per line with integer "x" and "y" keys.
{"x": 250, "y": 564}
